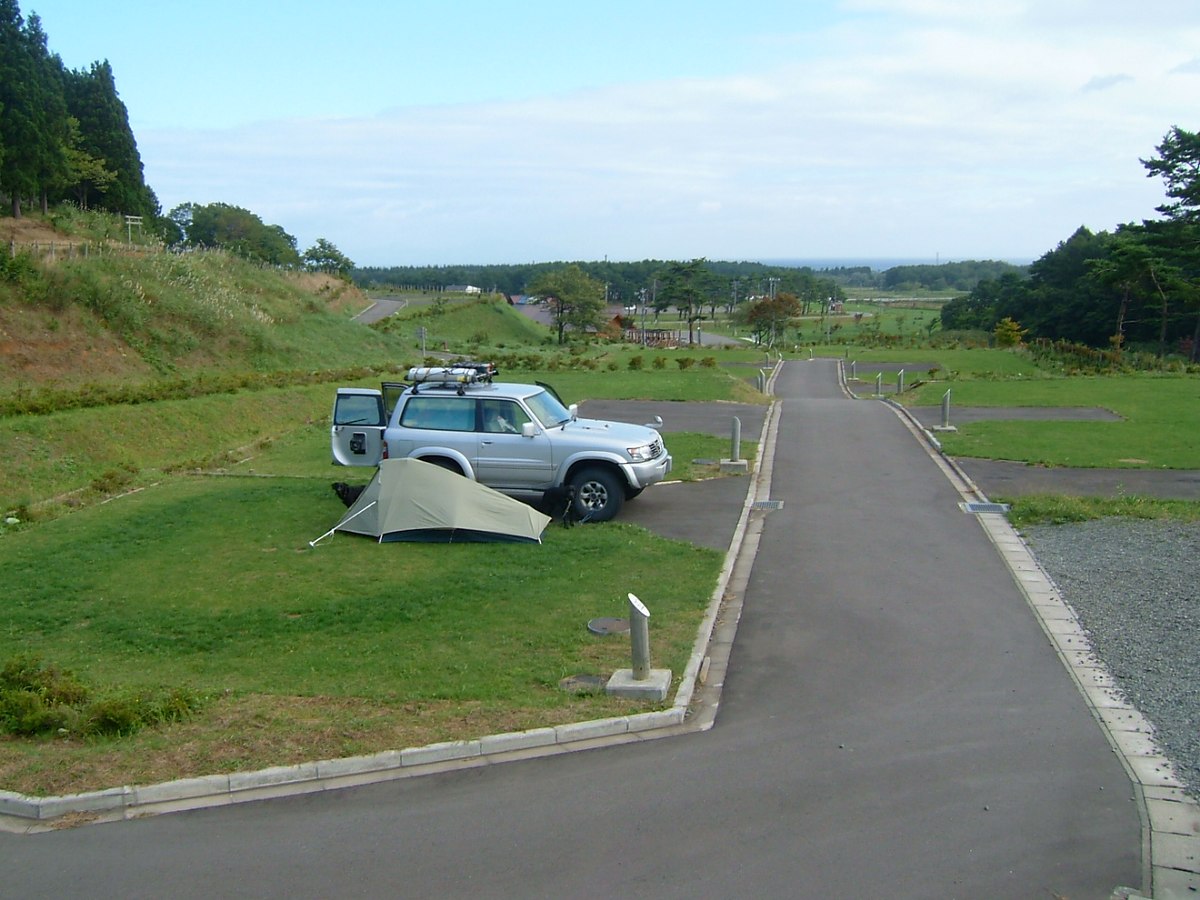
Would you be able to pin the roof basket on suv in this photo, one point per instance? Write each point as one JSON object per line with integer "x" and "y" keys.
{"x": 458, "y": 375}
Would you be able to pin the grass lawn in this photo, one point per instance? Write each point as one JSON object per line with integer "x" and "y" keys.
{"x": 1160, "y": 421}
{"x": 206, "y": 582}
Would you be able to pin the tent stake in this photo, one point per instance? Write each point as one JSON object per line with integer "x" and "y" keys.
{"x": 343, "y": 522}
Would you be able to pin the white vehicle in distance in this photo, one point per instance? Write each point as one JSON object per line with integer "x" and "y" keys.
{"x": 515, "y": 438}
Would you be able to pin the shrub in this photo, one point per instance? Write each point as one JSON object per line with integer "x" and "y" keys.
{"x": 113, "y": 481}
{"x": 636, "y": 363}
{"x": 27, "y": 672}
{"x": 660, "y": 362}
{"x": 39, "y": 699}
{"x": 684, "y": 363}
{"x": 709, "y": 362}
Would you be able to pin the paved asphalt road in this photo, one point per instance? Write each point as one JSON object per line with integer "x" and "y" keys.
{"x": 893, "y": 724}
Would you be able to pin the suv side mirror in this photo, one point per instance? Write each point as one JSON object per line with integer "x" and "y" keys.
{"x": 528, "y": 429}
{"x": 573, "y": 409}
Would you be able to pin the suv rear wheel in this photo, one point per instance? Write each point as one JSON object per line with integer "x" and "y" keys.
{"x": 598, "y": 494}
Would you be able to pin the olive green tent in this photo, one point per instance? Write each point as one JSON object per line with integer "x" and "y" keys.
{"x": 410, "y": 500}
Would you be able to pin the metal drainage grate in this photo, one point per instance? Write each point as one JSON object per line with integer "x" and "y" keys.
{"x": 767, "y": 504}
{"x": 975, "y": 507}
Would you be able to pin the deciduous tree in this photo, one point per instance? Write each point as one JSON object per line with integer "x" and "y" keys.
{"x": 323, "y": 256}
{"x": 575, "y": 299}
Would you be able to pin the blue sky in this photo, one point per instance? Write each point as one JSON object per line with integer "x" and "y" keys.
{"x": 491, "y": 132}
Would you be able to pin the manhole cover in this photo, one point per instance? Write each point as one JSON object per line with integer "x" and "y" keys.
{"x": 608, "y": 626}
{"x": 583, "y": 684}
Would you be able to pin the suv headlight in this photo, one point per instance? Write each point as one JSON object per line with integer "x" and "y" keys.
{"x": 644, "y": 453}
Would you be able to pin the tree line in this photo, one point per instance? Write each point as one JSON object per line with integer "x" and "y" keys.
{"x": 627, "y": 279}
{"x": 1137, "y": 287}
{"x": 648, "y": 282}
{"x": 64, "y": 133}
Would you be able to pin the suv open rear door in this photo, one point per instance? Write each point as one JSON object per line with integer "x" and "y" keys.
{"x": 356, "y": 435}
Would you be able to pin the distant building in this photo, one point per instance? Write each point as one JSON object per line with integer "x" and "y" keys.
{"x": 463, "y": 289}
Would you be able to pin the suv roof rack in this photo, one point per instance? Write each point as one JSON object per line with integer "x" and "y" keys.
{"x": 457, "y": 375}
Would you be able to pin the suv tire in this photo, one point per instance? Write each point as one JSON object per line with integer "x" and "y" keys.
{"x": 598, "y": 494}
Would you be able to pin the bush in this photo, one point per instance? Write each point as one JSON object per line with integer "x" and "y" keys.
{"x": 113, "y": 481}
{"x": 26, "y": 713}
{"x": 37, "y": 698}
{"x": 27, "y": 673}
{"x": 636, "y": 363}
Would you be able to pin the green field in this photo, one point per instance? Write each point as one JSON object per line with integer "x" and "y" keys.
{"x": 199, "y": 578}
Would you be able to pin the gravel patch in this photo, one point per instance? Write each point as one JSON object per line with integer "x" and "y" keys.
{"x": 1133, "y": 585}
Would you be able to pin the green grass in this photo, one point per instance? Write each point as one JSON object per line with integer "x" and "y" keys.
{"x": 210, "y": 582}
{"x": 54, "y": 455}
{"x": 79, "y": 452}
{"x": 1057, "y": 509}
{"x": 206, "y": 583}
{"x": 955, "y": 365}
{"x": 1161, "y": 418}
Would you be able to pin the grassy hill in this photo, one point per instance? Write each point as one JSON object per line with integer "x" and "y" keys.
{"x": 76, "y": 311}
{"x": 119, "y": 360}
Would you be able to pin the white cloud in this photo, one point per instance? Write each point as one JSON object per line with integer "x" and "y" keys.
{"x": 1104, "y": 82}
{"x": 1191, "y": 67}
{"x": 935, "y": 133}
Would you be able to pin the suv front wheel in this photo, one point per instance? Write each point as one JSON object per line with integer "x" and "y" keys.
{"x": 598, "y": 494}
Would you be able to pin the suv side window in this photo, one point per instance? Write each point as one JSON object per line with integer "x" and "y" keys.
{"x": 502, "y": 417}
{"x": 439, "y": 413}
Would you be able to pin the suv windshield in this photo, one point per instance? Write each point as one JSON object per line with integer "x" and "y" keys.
{"x": 548, "y": 410}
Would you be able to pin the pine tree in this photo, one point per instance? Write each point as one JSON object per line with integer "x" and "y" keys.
{"x": 18, "y": 109}
{"x": 105, "y": 135}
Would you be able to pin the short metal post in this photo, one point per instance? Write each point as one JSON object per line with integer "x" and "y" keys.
{"x": 900, "y": 382}
{"x": 639, "y": 638}
{"x": 735, "y": 447}
{"x": 946, "y": 409}
{"x": 878, "y": 384}
{"x": 854, "y": 370}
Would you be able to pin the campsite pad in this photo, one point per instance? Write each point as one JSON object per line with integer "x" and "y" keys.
{"x": 704, "y": 513}
{"x": 411, "y": 500}
{"x": 1003, "y": 478}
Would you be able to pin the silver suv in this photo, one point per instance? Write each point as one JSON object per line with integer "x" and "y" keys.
{"x": 516, "y": 438}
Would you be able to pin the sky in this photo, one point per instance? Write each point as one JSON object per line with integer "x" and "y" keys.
{"x": 436, "y": 132}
